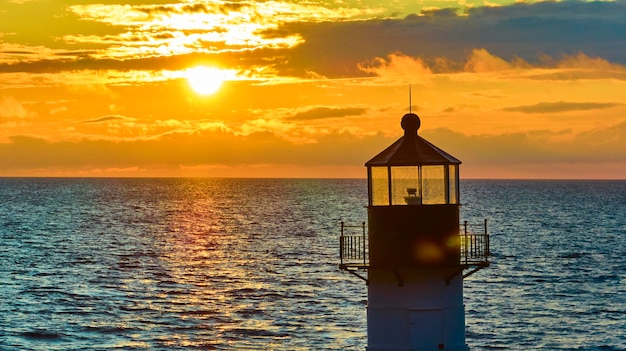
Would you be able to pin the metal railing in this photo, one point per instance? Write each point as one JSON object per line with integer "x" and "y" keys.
{"x": 474, "y": 243}
{"x": 353, "y": 244}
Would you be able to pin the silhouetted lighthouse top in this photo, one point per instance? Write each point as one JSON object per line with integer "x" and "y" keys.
{"x": 412, "y": 171}
{"x": 411, "y": 149}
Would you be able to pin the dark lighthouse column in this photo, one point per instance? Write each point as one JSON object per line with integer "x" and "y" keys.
{"x": 417, "y": 254}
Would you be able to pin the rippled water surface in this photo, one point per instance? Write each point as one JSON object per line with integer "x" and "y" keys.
{"x": 237, "y": 264}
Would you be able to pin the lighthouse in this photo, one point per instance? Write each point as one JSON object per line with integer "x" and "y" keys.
{"x": 415, "y": 252}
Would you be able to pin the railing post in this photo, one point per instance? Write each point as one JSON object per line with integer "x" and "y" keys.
{"x": 352, "y": 245}
{"x": 486, "y": 241}
{"x": 341, "y": 244}
{"x": 363, "y": 244}
{"x": 465, "y": 243}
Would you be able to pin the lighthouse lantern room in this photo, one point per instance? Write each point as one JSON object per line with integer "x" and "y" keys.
{"x": 415, "y": 253}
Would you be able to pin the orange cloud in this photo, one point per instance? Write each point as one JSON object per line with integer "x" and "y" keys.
{"x": 479, "y": 61}
{"x": 11, "y": 108}
{"x": 482, "y": 61}
{"x": 398, "y": 67}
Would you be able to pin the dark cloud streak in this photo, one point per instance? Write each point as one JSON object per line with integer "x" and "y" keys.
{"x": 245, "y": 59}
{"x": 22, "y": 152}
{"x": 561, "y": 106}
{"x": 327, "y": 112}
{"x": 107, "y": 119}
{"x": 182, "y": 149}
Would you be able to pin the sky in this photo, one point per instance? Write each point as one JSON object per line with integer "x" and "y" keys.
{"x": 288, "y": 88}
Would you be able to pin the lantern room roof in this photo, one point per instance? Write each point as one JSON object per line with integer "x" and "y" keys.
{"x": 411, "y": 149}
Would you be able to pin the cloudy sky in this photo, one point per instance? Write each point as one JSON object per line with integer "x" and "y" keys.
{"x": 290, "y": 88}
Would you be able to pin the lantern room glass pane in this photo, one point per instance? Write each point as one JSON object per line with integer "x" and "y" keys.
{"x": 405, "y": 186}
{"x": 453, "y": 184}
{"x": 433, "y": 185}
{"x": 379, "y": 186}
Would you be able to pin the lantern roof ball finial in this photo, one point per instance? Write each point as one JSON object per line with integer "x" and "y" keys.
{"x": 410, "y": 123}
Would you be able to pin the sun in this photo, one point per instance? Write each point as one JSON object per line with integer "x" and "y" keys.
{"x": 205, "y": 80}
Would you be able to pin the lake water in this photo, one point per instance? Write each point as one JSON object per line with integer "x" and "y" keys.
{"x": 251, "y": 264}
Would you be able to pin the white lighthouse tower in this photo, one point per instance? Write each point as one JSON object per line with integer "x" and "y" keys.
{"x": 415, "y": 253}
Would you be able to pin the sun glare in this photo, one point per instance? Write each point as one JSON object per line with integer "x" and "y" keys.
{"x": 205, "y": 80}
